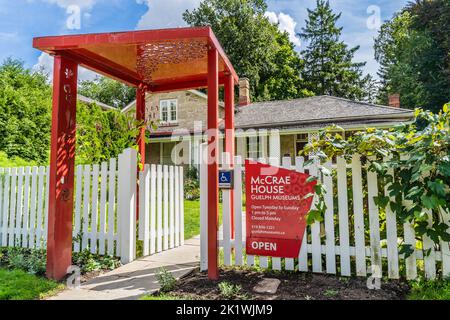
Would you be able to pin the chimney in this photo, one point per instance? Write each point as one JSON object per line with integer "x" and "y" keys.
{"x": 394, "y": 100}
{"x": 244, "y": 92}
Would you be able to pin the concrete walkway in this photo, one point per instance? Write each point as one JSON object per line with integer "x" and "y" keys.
{"x": 137, "y": 278}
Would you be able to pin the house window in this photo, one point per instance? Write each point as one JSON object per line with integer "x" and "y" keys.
{"x": 252, "y": 147}
{"x": 168, "y": 110}
{"x": 300, "y": 143}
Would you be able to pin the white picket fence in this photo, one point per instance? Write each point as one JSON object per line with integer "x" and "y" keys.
{"x": 337, "y": 245}
{"x": 161, "y": 205}
{"x": 23, "y": 204}
{"x": 104, "y": 219}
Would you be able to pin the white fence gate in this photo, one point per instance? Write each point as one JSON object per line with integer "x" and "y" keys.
{"x": 348, "y": 242}
{"x": 161, "y": 203}
{"x": 104, "y": 219}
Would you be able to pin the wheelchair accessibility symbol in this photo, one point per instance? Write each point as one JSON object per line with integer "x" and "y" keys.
{"x": 225, "y": 179}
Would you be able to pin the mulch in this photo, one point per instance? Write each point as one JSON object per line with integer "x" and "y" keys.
{"x": 294, "y": 286}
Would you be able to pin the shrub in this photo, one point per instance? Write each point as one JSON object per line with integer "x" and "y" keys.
{"x": 89, "y": 262}
{"x": 191, "y": 184}
{"x": 229, "y": 290}
{"x": 192, "y": 173}
{"x": 166, "y": 280}
{"x": 32, "y": 261}
{"x": 191, "y": 190}
{"x": 7, "y": 162}
{"x": 423, "y": 289}
{"x": 411, "y": 160}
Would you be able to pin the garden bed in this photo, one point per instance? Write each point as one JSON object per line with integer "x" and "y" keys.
{"x": 293, "y": 286}
{"x": 22, "y": 272}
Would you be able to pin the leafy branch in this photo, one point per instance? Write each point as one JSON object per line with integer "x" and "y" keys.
{"x": 412, "y": 160}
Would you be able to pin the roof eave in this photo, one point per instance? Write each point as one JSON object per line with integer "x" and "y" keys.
{"x": 395, "y": 117}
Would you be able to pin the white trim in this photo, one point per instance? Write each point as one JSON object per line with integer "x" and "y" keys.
{"x": 129, "y": 106}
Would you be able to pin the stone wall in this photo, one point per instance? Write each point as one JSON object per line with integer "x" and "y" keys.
{"x": 191, "y": 108}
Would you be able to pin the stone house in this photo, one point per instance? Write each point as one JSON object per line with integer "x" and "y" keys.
{"x": 263, "y": 129}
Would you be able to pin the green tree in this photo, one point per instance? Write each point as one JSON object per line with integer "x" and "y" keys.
{"x": 329, "y": 67}
{"x": 255, "y": 46}
{"x": 25, "y": 102}
{"x": 108, "y": 91}
{"x": 412, "y": 49}
{"x": 371, "y": 88}
{"x": 102, "y": 135}
{"x": 25, "y": 121}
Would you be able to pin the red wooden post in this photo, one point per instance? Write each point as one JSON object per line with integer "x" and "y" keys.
{"x": 229, "y": 135}
{"x": 213, "y": 184}
{"x": 140, "y": 116}
{"x": 62, "y": 165}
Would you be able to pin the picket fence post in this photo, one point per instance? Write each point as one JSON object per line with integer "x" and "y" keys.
{"x": 144, "y": 209}
{"x": 1, "y": 205}
{"x": 226, "y": 212}
{"x": 238, "y": 210}
{"x": 445, "y": 248}
{"x": 203, "y": 208}
{"x": 127, "y": 204}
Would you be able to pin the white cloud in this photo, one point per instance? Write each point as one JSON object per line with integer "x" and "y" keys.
{"x": 286, "y": 24}
{"x": 164, "y": 13}
{"x": 83, "y": 4}
{"x": 45, "y": 63}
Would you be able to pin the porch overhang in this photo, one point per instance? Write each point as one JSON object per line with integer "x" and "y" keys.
{"x": 163, "y": 60}
{"x": 150, "y": 60}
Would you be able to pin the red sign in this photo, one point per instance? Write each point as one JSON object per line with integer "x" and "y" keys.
{"x": 277, "y": 203}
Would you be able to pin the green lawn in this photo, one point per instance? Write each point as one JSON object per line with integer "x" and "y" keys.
{"x": 19, "y": 285}
{"x": 192, "y": 218}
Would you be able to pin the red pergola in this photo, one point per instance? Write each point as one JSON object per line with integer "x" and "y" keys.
{"x": 152, "y": 61}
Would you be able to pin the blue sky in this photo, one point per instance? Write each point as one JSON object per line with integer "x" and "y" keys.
{"x": 21, "y": 20}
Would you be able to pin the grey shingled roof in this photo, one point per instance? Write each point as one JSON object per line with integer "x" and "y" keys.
{"x": 316, "y": 110}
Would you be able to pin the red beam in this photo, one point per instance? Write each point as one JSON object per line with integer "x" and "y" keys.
{"x": 62, "y": 163}
{"x": 213, "y": 184}
{"x": 229, "y": 135}
{"x": 129, "y": 37}
{"x": 66, "y": 43}
{"x": 229, "y": 66}
{"x": 183, "y": 84}
{"x": 103, "y": 66}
